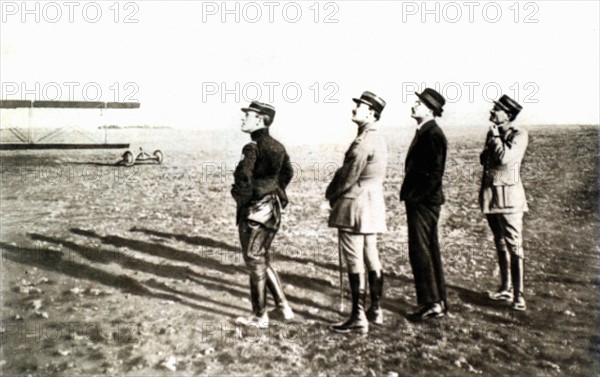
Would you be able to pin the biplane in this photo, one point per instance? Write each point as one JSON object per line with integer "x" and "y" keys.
{"x": 24, "y": 137}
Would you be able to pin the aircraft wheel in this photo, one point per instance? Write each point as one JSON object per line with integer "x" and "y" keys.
{"x": 158, "y": 155}
{"x": 128, "y": 159}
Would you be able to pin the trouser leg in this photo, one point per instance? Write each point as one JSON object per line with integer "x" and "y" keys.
{"x": 495, "y": 222}
{"x": 371, "y": 254}
{"x": 424, "y": 254}
{"x": 352, "y": 247}
{"x": 275, "y": 287}
{"x": 514, "y": 243}
{"x": 255, "y": 240}
{"x": 437, "y": 257}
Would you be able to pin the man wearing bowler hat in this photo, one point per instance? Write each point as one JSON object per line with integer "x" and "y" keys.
{"x": 259, "y": 186}
{"x": 502, "y": 196}
{"x": 358, "y": 211}
{"x": 423, "y": 196}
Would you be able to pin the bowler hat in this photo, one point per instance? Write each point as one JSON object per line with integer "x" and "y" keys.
{"x": 261, "y": 108}
{"x": 509, "y": 105}
{"x": 374, "y": 101}
{"x": 433, "y": 100}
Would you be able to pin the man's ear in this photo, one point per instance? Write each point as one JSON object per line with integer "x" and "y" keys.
{"x": 372, "y": 113}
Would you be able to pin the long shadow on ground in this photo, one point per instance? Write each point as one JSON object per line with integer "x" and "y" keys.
{"x": 93, "y": 254}
{"x": 52, "y": 260}
{"x": 208, "y": 242}
{"x": 171, "y": 253}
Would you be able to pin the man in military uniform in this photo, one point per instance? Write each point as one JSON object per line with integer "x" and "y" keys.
{"x": 423, "y": 196}
{"x": 259, "y": 186}
{"x": 502, "y": 196}
{"x": 358, "y": 211}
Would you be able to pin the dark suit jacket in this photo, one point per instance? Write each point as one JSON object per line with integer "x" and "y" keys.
{"x": 424, "y": 168}
{"x": 264, "y": 169}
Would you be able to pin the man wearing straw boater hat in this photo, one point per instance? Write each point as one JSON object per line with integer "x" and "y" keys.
{"x": 423, "y": 196}
{"x": 502, "y": 197}
{"x": 259, "y": 186}
{"x": 358, "y": 211}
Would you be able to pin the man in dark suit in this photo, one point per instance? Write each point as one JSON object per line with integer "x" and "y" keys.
{"x": 358, "y": 211}
{"x": 259, "y": 186}
{"x": 423, "y": 195}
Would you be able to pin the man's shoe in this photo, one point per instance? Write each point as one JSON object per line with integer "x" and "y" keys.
{"x": 501, "y": 295}
{"x": 253, "y": 320}
{"x": 428, "y": 312}
{"x": 519, "y": 303}
{"x": 358, "y": 324}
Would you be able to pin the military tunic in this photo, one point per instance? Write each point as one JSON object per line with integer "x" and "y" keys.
{"x": 356, "y": 191}
{"x": 356, "y": 198}
{"x": 260, "y": 180}
{"x": 501, "y": 187}
{"x": 502, "y": 196}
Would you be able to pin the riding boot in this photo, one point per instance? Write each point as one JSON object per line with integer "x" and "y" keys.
{"x": 358, "y": 320}
{"x": 503, "y": 263}
{"x": 504, "y": 293}
{"x": 375, "y": 314}
{"x": 258, "y": 295}
{"x": 516, "y": 266}
{"x": 276, "y": 289}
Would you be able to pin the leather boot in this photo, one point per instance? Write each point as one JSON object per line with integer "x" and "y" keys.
{"x": 503, "y": 263}
{"x": 357, "y": 323}
{"x": 258, "y": 296}
{"x": 274, "y": 286}
{"x": 504, "y": 293}
{"x": 375, "y": 314}
{"x": 516, "y": 267}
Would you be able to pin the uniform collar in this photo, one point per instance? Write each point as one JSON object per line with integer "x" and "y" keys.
{"x": 367, "y": 127}
{"x": 258, "y": 134}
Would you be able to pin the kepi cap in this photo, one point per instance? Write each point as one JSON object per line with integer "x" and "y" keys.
{"x": 374, "y": 101}
{"x": 510, "y": 106}
{"x": 261, "y": 108}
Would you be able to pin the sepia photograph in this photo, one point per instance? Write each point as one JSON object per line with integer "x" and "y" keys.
{"x": 299, "y": 188}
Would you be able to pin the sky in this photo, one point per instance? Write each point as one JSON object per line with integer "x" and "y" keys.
{"x": 193, "y": 64}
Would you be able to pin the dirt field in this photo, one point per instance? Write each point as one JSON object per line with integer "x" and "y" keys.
{"x": 137, "y": 271}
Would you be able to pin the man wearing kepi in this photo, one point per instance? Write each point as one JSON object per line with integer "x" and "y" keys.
{"x": 423, "y": 196}
{"x": 358, "y": 211}
{"x": 259, "y": 186}
{"x": 502, "y": 196}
